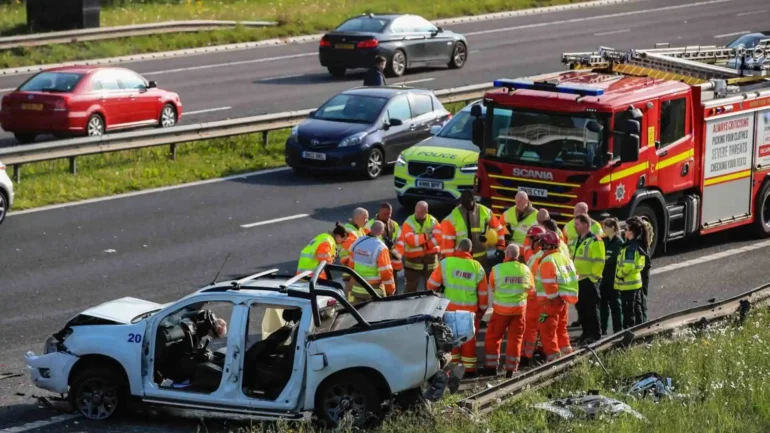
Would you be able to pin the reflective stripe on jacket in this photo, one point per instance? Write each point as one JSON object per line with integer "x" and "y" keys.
{"x": 419, "y": 243}
{"x": 392, "y": 228}
{"x": 588, "y": 256}
{"x": 628, "y": 275}
{"x": 321, "y": 248}
{"x": 510, "y": 283}
{"x": 353, "y": 234}
{"x": 558, "y": 278}
{"x": 518, "y": 229}
{"x": 370, "y": 258}
{"x": 454, "y": 229}
{"x": 571, "y": 234}
{"x": 464, "y": 280}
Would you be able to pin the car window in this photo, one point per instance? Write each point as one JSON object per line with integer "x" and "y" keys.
{"x": 58, "y": 82}
{"x": 748, "y": 41}
{"x": 363, "y": 24}
{"x": 672, "y": 121}
{"x": 129, "y": 80}
{"x": 351, "y": 108}
{"x": 95, "y": 85}
{"x": 399, "y": 108}
{"x": 108, "y": 81}
{"x": 421, "y": 104}
{"x": 459, "y": 128}
{"x": 422, "y": 25}
{"x": 400, "y": 25}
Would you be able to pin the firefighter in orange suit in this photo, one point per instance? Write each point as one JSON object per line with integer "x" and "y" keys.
{"x": 370, "y": 258}
{"x": 534, "y": 234}
{"x": 556, "y": 284}
{"x": 465, "y": 285}
{"x": 471, "y": 220}
{"x": 509, "y": 282}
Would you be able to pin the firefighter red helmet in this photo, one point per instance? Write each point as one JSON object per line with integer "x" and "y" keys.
{"x": 550, "y": 239}
{"x": 536, "y": 232}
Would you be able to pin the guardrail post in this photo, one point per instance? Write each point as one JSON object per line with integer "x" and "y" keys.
{"x": 173, "y": 151}
{"x": 265, "y": 138}
{"x": 73, "y": 165}
{"x": 17, "y": 173}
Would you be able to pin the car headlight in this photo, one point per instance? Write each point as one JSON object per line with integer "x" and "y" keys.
{"x": 353, "y": 140}
{"x": 50, "y": 345}
{"x": 294, "y": 131}
{"x": 400, "y": 161}
{"x": 470, "y": 168}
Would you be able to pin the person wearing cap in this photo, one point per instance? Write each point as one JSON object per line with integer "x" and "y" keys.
{"x": 529, "y": 343}
{"x": 322, "y": 248}
{"x": 471, "y": 220}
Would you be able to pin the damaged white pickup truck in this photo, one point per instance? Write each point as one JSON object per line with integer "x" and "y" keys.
{"x": 267, "y": 345}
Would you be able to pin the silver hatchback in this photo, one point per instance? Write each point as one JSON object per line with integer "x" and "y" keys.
{"x": 6, "y": 193}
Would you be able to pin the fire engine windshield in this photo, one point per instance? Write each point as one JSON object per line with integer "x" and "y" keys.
{"x": 544, "y": 138}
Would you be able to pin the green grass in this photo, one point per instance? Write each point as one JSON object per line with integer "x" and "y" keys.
{"x": 724, "y": 375}
{"x": 107, "y": 174}
{"x": 295, "y": 17}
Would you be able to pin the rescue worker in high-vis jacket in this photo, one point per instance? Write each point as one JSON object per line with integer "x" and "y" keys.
{"x": 531, "y": 327}
{"x": 419, "y": 241}
{"x": 550, "y": 225}
{"x": 471, "y": 220}
{"x": 587, "y": 253}
{"x": 465, "y": 285}
{"x": 628, "y": 274}
{"x": 557, "y": 288}
{"x": 390, "y": 236}
{"x": 356, "y": 228}
{"x": 509, "y": 282}
{"x": 542, "y": 216}
{"x": 370, "y": 258}
{"x": 569, "y": 229}
{"x": 518, "y": 219}
{"x": 323, "y": 248}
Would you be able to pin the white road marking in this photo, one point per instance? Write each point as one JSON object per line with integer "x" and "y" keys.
{"x": 148, "y": 191}
{"x": 742, "y": 14}
{"x": 612, "y": 32}
{"x": 283, "y": 77}
{"x": 710, "y": 258}
{"x": 473, "y": 51}
{"x": 727, "y": 35}
{"x": 206, "y": 111}
{"x": 594, "y": 18}
{"x": 222, "y": 65}
{"x": 277, "y": 220}
{"x": 39, "y": 424}
{"x": 424, "y": 80}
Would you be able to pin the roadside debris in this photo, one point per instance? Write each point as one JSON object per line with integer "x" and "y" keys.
{"x": 650, "y": 384}
{"x": 10, "y": 375}
{"x": 588, "y": 407}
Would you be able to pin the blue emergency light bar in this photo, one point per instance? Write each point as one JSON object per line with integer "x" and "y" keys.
{"x": 548, "y": 87}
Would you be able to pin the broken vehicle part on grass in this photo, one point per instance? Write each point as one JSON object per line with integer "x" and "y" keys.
{"x": 267, "y": 345}
{"x": 650, "y": 385}
{"x": 588, "y": 407}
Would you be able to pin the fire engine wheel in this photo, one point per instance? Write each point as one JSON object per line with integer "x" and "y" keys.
{"x": 352, "y": 395}
{"x": 646, "y": 213}
{"x": 762, "y": 212}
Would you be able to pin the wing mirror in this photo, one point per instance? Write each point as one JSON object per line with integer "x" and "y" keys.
{"x": 311, "y": 114}
{"x": 594, "y": 127}
{"x": 396, "y": 122}
{"x": 152, "y": 85}
{"x": 629, "y": 147}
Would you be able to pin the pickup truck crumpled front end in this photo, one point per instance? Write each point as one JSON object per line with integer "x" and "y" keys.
{"x": 50, "y": 372}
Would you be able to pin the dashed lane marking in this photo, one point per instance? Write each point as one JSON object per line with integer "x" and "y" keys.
{"x": 210, "y": 110}
{"x": 727, "y": 35}
{"x": 277, "y": 220}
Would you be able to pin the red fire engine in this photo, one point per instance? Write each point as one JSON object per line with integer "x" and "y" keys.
{"x": 677, "y": 136}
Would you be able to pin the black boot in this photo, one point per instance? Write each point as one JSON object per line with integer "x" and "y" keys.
{"x": 525, "y": 362}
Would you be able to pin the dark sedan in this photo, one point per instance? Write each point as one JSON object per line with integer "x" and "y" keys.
{"x": 363, "y": 130}
{"x": 406, "y": 41}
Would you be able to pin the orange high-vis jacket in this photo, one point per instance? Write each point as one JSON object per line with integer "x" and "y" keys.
{"x": 347, "y": 243}
{"x": 482, "y": 294}
{"x": 548, "y": 276}
{"x": 385, "y": 269}
{"x": 449, "y": 239}
{"x": 414, "y": 240}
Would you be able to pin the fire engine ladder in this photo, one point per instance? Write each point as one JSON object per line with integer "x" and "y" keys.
{"x": 693, "y": 65}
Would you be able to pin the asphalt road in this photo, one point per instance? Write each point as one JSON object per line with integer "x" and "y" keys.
{"x": 274, "y": 79}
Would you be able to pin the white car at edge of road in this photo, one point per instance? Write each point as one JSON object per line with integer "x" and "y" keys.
{"x": 6, "y": 193}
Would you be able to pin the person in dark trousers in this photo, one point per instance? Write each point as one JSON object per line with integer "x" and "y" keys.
{"x": 610, "y": 303}
{"x": 374, "y": 76}
{"x": 646, "y": 270}
{"x": 587, "y": 253}
{"x": 628, "y": 274}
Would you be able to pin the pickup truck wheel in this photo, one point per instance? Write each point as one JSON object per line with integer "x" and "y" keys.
{"x": 352, "y": 394}
{"x": 97, "y": 393}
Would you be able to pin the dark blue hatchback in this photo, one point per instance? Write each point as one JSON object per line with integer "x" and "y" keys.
{"x": 363, "y": 130}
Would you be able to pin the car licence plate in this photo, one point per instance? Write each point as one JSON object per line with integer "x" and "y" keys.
{"x": 534, "y": 192}
{"x": 430, "y": 184}
{"x": 344, "y": 46}
{"x": 35, "y": 107}
{"x": 314, "y": 155}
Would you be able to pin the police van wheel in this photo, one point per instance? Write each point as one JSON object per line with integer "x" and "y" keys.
{"x": 762, "y": 212}
{"x": 646, "y": 213}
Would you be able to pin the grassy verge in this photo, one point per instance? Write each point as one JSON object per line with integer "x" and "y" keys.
{"x": 724, "y": 376}
{"x": 295, "y": 17}
{"x": 107, "y": 174}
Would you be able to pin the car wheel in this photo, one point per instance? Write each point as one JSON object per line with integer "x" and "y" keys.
{"x": 352, "y": 394}
{"x": 97, "y": 393}
{"x": 3, "y": 206}
{"x": 336, "y": 72}
{"x": 95, "y": 126}
{"x": 762, "y": 212}
{"x": 397, "y": 64}
{"x": 459, "y": 56}
{"x": 374, "y": 163}
{"x": 168, "y": 116}
{"x": 24, "y": 138}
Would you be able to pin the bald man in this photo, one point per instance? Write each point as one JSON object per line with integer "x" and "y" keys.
{"x": 465, "y": 285}
{"x": 510, "y": 283}
{"x": 370, "y": 258}
{"x": 518, "y": 219}
{"x": 419, "y": 245}
{"x": 356, "y": 228}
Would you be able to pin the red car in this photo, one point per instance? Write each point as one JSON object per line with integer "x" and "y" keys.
{"x": 85, "y": 100}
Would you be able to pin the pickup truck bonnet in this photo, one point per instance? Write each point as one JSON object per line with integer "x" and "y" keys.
{"x": 122, "y": 310}
{"x": 402, "y": 309}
